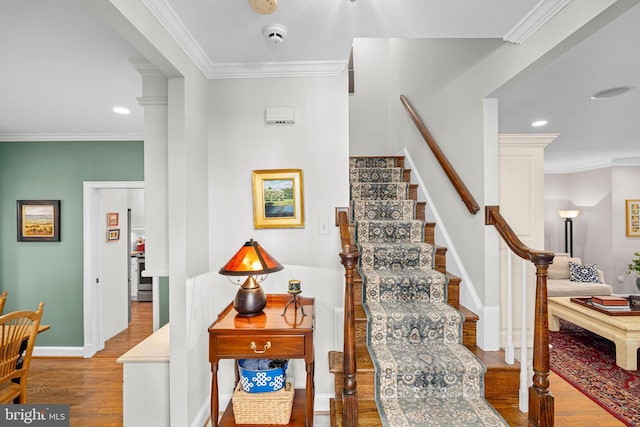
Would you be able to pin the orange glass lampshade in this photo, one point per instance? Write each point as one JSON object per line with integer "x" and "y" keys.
{"x": 251, "y": 260}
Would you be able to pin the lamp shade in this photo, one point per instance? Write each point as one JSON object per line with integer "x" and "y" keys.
{"x": 568, "y": 213}
{"x": 251, "y": 259}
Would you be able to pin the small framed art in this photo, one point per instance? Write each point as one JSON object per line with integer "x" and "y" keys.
{"x": 113, "y": 235}
{"x": 633, "y": 218}
{"x": 38, "y": 220}
{"x": 278, "y": 198}
{"x": 112, "y": 219}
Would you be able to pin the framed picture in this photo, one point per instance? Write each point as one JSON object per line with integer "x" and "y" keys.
{"x": 633, "y": 218}
{"x": 112, "y": 219}
{"x": 113, "y": 234}
{"x": 278, "y": 198}
{"x": 38, "y": 220}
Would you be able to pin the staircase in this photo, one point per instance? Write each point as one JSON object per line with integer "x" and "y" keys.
{"x": 416, "y": 355}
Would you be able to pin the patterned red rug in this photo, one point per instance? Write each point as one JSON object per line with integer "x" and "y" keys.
{"x": 587, "y": 361}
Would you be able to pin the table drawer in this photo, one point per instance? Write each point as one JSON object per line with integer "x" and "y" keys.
{"x": 262, "y": 346}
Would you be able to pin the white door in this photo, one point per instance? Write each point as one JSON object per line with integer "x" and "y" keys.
{"x": 114, "y": 248}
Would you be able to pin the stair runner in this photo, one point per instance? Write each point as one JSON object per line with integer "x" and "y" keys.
{"x": 425, "y": 376}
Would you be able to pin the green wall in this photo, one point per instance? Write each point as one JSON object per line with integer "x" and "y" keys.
{"x": 52, "y": 272}
{"x": 164, "y": 301}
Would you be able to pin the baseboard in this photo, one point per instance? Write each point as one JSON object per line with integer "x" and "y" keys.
{"x": 58, "y": 351}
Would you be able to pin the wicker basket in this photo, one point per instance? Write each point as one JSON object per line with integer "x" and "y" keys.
{"x": 263, "y": 408}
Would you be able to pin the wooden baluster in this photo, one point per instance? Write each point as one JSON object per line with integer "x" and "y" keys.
{"x": 349, "y": 256}
{"x": 541, "y": 402}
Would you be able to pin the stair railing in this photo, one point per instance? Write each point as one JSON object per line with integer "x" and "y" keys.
{"x": 541, "y": 401}
{"x": 349, "y": 257}
{"x": 451, "y": 173}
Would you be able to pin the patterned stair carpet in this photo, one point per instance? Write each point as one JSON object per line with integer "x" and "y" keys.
{"x": 425, "y": 376}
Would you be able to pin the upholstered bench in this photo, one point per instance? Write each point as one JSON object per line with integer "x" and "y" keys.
{"x": 586, "y": 279}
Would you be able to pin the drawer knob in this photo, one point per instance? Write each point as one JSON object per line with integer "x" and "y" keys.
{"x": 254, "y": 347}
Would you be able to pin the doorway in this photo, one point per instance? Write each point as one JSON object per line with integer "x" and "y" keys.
{"x": 105, "y": 310}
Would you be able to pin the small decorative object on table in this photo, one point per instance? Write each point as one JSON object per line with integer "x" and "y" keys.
{"x": 634, "y": 302}
{"x": 634, "y": 268}
{"x": 294, "y": 290}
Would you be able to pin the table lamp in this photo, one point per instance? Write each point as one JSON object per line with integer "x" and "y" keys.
{"x": 251, "y": 260}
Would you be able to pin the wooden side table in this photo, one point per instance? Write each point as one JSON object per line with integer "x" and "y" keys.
{"x": 269, "y": 335}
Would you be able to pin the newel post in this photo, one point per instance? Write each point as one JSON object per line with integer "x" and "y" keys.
{"x": 349, "y": 257}
{"x": 541, "y": 404}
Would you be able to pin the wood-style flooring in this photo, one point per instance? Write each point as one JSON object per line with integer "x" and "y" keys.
{"x": 93, "y": 387}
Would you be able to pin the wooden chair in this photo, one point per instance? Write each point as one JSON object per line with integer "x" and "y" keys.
{"x": 18, "y": 332}
{"x": 3, "y": 299}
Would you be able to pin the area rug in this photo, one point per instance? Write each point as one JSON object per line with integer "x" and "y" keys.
{"x": 587, "y": 361}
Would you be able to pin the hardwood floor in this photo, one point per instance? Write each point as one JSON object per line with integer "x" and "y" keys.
{"x": 93, "y": 387}
{"x": 572, "y": 408}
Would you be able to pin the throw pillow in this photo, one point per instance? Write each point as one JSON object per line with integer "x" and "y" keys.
{"x": 583, "y": 273}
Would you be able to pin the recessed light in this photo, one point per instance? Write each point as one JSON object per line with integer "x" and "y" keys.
{"x": 539, "y": 123}
{"x": 121, "y": 110}
{"x": 611, "y": 93}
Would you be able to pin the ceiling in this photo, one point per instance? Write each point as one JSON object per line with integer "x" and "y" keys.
{"x": 63, "y": 68}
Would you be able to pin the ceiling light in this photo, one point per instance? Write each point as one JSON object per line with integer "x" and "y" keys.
{"x": 263, "y": 7}
{"x": 539, "y": 123}
{"x": 121, "y": 110}
{"x": 611, "y": 93}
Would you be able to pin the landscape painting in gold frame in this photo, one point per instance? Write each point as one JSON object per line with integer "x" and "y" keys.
{"x": 633, "y": 218}
{"x": 38, "y": 220}
{"x": 278, "y": 198}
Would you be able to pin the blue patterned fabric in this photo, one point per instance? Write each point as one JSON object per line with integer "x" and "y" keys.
{"x": 425, "y": 376}
{"x": 586, "y": 273}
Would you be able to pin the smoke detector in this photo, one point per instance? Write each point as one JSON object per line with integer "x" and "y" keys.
{"x": 275, "y": 33}
{"x": 263, "y": 7}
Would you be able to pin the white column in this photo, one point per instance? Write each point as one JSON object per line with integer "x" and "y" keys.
{"x": 154, "y": 99}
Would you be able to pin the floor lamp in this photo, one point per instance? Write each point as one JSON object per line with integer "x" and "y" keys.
{"x": 568, "y": 216}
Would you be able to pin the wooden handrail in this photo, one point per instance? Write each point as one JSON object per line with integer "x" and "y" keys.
{"x": 349, "y": 257}
{"x": 451, "y": 173}
{"x": 541, "y": 402}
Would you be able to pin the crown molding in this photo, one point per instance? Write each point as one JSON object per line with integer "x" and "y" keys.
{"x": 168, "y": 18}
{"x": 277, "y": 69}
{"x": 593, "y": 165}
{"x": 48, "y": 137}
{"x": 539, "y": 15}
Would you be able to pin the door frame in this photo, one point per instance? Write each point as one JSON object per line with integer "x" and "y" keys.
{"x": 92, "y": 309}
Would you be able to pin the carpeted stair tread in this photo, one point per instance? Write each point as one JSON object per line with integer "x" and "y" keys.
{"x": 383, "y": 209}
{"x": 380, "y": 191}
{"x": 390, "y": 231}
{"x": 413, "y": 322}
{"x": 433, "y": 412}
{"x": 415, "y": 285}
{"x": 391, "y": 256}
{"x": 428, "y": 370}
{"x": 394, "y": 174}
{"x": 376, "y": 162}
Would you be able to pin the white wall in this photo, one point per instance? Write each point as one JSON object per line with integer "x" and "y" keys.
{"x": 317, "y": 143}
{"x": 625, "y": 184}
